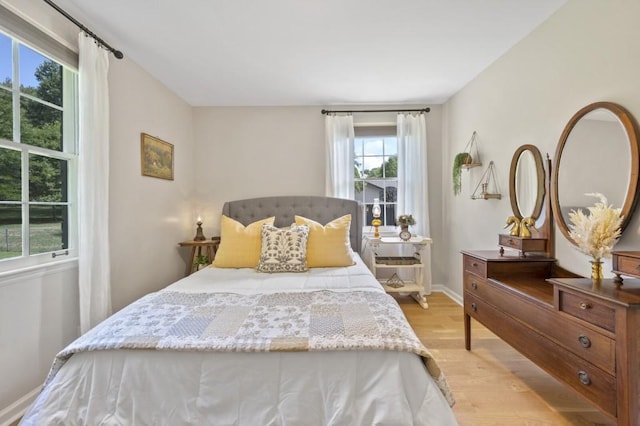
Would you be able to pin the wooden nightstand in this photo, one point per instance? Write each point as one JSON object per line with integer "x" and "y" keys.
{"x": 196, "y": 246}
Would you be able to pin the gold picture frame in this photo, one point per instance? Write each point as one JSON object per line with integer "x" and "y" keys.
{"x": 156, "y": 157}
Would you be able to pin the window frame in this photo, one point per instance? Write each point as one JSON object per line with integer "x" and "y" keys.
{"x": 69, "y": 154}
{"x": 368, "y": 132}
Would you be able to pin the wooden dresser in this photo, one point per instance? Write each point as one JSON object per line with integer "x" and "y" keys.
{"x": 584, "y": 333}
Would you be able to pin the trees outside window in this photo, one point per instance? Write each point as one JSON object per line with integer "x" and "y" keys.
{"x": 37, "y": 152}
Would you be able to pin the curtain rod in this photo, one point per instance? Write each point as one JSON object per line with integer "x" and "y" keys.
{"x": 327, "y": 112}
{"x": 118, "y": 54}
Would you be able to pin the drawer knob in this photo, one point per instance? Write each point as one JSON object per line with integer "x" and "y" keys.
{"x": 584, "y": 378}
{"x": 584, "y": 306}
{"x": 585, "y": 342}
{"x": 474, "y": 286}
{"x": 474, "y": 264}
{"x": 474, "y": 307}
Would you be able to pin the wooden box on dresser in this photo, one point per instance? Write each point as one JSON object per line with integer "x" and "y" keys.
{"x": 585, "y": 333}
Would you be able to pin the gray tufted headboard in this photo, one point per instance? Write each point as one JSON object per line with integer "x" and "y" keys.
{"x": 320, "y": 209}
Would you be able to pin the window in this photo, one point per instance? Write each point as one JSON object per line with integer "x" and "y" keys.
{"x": 38, "y": 156}
{"x": 376, "y": 174}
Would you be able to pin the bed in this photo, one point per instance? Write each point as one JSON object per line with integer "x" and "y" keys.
{"x": 234, "y": 346}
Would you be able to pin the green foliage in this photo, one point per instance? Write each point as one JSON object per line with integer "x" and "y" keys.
{"x": 460, "y": 159}
{"x": 390, "y": 169}
{"x": 359, "y": 184}
{"x": 40, "y": 125}
{"x": 405, "y": 220}
{"x": 49, "y": 76}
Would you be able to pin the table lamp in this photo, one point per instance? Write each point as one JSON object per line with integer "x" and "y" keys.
{"x": 199, "y": 235}
{"x": 376, "y": 222}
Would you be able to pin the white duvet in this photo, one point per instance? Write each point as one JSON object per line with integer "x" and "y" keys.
{"x": 147, "y": 387}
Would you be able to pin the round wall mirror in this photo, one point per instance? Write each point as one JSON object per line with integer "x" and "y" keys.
{"x": 597, "y": 153}
{"x": 526, "y": 182}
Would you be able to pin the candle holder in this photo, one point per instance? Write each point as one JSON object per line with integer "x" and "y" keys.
{"x": 199, "y": 234}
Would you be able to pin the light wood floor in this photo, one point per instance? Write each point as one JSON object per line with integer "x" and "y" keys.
{"x": 493, "y": 384}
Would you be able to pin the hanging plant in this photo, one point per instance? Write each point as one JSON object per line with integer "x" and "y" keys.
{"x": 460, "y": 159}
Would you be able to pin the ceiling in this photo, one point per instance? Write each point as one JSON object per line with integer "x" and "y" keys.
{"x": 301, "y": 52}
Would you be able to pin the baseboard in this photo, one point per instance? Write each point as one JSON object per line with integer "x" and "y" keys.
{"x": 18, "y": 408}
{"x": 446, "y": 290}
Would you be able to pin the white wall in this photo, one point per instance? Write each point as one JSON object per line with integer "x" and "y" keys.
{"x": 148, "y": 217}
{"x": 245, "y": 152}
{"x": 587, "y": 51}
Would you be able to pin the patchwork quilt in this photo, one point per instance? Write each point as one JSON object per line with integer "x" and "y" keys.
{"x": 226, "y": 322}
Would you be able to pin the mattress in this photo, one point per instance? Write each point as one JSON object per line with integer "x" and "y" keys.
{"x": 167, "y": 387}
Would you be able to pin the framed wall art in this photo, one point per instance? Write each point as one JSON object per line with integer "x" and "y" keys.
{"x": 156, "y": 156}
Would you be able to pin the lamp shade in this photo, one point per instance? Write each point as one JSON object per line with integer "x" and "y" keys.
{"x": 375, "y": 210}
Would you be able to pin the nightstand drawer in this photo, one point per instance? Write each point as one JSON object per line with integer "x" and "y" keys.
{"x": 475, "y": 266}
{"x": 588, "y": 309}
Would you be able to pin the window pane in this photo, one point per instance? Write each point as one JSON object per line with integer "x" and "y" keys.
{"x": 47, "y": 229}
{"x": 6, "y": 62}
{"x": 373, "y": 146}
{"x": 372, "y": 167}
{"x": 6, "y": 115}
{"x": 358, "y": 172}
{"x": 40, "y": 125}
{"x": 40, "y": 77}
{"x": 391, "y": 167}
{"x": 357, "y": 147}
{"x": 10, "y": 175}
{"x": 47, "y": 179}
{"x": 391, "y": 192}
{"x": 359, "y": 190}
{"x": 390, "y": 215}
{"x": 10, "y": 231}
{"x": 391, "y": 146}
{"x": 374, "y": 189}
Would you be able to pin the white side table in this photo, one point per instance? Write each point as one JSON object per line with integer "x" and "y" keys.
{"x": 395, "y": 284}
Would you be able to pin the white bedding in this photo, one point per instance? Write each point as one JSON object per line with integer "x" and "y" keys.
{"x": 128, "y": 387}
{"x": 248, "y": 281}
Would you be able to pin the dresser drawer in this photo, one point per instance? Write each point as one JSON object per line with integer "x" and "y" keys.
{"x": 475, "y": 266}
{"x": 587, "y": 379}
{"x": 592, "y": 346}
{"x": 589, "y": 309}
{"x": 523, "y": 244}
{"x": 626, "y": 264}
{"x": 473, "y": 283}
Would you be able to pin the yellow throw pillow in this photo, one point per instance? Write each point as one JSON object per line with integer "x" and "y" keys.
{"x": 239, "y": 244}
{"x": 328, "y": 245}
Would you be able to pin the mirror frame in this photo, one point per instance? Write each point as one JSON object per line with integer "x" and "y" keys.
{"x": 631, "y": 128}
{"x": 537, "y": 209}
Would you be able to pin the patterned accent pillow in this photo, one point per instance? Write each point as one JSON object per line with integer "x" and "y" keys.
{"x": 283, "y": 250}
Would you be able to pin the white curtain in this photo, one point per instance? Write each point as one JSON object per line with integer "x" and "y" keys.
{"x": 412, "y": 178}
{"x": 340, "y": 156}
{"x": 93, "y": 187}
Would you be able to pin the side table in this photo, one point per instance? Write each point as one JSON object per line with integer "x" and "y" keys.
{"x": 417, "y": 287}
{"x": 196, "y": 246}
